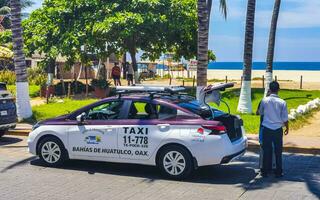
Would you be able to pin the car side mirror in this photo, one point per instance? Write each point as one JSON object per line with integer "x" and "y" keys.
{"x": 80, "y": 118}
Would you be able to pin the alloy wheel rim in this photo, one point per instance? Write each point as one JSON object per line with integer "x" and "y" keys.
{"x": 51, "y": 152}
{"x": 174, "y": 163}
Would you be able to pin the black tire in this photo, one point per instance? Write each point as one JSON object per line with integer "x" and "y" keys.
{"x": 180, "y": 173}
{"x": 52, "y": 142}
{"x": 2, "y": 132}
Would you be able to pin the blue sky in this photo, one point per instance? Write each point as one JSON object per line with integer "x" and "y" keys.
{"x": 298, "y": 36}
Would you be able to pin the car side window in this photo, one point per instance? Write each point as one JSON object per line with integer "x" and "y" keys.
{"x": 105, "y": 111}
{"x": 142, "y": 110}
{"x": 166, "y": 112}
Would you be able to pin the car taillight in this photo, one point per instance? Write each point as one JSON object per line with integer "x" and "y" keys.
{"x": 200, "y": 130}
{"x": 215, "y": 130}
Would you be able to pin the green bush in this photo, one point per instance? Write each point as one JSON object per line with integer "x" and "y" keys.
{"x": 100, "y": 83}
{"x": 167, "y": 76}
{"x": 8, "y": 77}
{"x": 76, "y": 88}
{"x": 37, "y": 76}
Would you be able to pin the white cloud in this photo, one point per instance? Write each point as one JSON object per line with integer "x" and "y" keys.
{"x": 303, "y": 14}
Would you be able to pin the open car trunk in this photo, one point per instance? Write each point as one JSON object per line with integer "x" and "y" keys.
{"x": 233, "y": 125}
{"x": 231, "y": 122}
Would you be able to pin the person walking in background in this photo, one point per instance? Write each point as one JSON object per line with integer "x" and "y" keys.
{"x": 116, "y": 73}
{"x": 130, "y": 73}
{"x": 275, "y": 117}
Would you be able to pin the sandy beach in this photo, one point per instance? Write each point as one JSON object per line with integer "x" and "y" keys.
{"x": 288, "y": 79}
{"x": 291, "y": 75}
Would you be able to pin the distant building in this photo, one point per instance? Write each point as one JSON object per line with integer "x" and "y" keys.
{"x": 62, "y": 72}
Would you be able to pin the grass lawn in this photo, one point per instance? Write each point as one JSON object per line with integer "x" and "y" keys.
{"x": 34, "y": 90}
{"x": 294, "y": 98}
{"x": 55, "y": 109}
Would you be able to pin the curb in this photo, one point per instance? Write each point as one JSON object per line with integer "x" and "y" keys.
{"x": 288, "y": 149}
{"x": 18, "y": 132}
{"x": 252, "y": 146}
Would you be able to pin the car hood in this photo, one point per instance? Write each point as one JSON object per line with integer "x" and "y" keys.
{"x": 54, "y": 120}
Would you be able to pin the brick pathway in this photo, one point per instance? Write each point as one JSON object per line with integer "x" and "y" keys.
{"x": 23, "y": 177}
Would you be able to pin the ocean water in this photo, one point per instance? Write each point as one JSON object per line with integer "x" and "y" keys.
{"x": 307, "y": 66}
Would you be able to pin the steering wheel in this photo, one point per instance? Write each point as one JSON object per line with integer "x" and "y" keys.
{"x": 98, "y": 116}
{"x": 102, "y": 116}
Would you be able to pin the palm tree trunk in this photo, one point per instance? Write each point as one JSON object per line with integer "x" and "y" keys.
{"x": 86, "y": 77}
{"x": 124, "y": 66}
{"x": 202, "y": 54}
{"x": 23, "y": 100}
{"x": 134, "y": 66}
{"x": 245, "y": 104}
{"x": 271, "y": 45}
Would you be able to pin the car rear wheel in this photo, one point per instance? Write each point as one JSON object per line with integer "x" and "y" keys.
{"x": 175, "y": 162}
{"x": 52, "y": 152}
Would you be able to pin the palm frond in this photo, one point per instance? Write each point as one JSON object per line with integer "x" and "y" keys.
{"x": 224, "y": 8}
{"x": 5, "y": 10}
{"x": 26, "y": 3}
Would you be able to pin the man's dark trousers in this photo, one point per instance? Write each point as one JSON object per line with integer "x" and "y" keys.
{"x": 270, "y": 137}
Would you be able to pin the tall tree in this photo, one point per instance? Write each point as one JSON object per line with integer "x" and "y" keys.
{"x": 23, "y": 100}
{"x": 271, "y": 45}
{"x": 204, "y": 12}
{"x": 155, "y": 27}
{"x": 245, "y": 104}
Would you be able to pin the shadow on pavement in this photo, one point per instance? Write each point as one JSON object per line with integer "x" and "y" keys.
{"x": 18, "y": 163}
{"x": 220, "y": 174}
{"x": 7, "y": 140}
{"x": 297, "y": 168}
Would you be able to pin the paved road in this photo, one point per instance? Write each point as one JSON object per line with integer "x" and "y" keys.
{"x": 23, "y": 177}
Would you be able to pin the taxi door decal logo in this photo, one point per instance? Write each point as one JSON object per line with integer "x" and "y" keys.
{"x": 92, "y": 139}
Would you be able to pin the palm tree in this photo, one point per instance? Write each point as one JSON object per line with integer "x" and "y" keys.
{"x": 245, "y": 104}
{"x": 23, "y": 100}
{"x": 271, "y": 45}
{"x": 204, "y": 12}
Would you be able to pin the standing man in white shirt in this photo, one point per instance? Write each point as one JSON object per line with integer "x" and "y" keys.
{"x": 275, "y": 117}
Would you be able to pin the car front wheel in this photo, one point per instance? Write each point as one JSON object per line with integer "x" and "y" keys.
{"x": 175, "y": 162}
{"x": 52, "y": 152}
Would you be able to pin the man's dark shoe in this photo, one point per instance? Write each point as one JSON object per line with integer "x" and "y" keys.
{"x": 279, "y": 175}
{"x": 264, "y": 175}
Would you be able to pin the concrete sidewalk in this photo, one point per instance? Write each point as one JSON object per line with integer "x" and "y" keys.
{"x": 292, "y": 143}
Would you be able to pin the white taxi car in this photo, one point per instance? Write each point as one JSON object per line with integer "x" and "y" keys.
{"x": 146, "y": 125}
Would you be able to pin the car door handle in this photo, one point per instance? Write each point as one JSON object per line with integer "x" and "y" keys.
{"x": 109, "y": 129}
{"x": 164, "y": 127}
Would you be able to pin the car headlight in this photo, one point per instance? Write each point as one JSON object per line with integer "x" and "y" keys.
{"x": 37, "y": 125}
